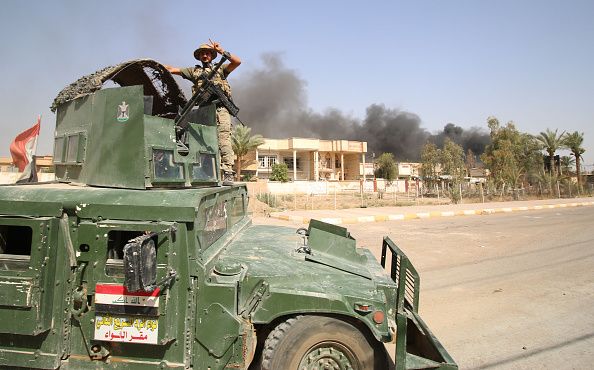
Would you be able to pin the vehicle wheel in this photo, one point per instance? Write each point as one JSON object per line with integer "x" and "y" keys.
{"x": 318, "y": 342}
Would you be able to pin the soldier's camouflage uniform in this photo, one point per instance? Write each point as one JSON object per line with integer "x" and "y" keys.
{"x": 223, "y": 116}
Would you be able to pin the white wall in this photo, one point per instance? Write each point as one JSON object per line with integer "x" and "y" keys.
{"x": 326, "y": 187}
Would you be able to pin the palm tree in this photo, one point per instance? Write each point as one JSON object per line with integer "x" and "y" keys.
{"x": 573, "y": 142}
{"x": 242, "y": 142}
{"x": 551, "y": 143}
{"x": 566, "y": 163}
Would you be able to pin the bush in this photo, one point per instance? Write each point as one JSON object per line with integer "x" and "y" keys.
{"x": 280, "y": 172}
{"x": 249, "y": 177}
{"x": 267, "y": 198}
{"x": 386, "y": 167}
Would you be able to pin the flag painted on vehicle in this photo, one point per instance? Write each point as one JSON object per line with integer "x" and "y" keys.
{"x": 116, "y": 299}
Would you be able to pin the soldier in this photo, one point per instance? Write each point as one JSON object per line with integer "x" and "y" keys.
{"x": 206, "y": 53}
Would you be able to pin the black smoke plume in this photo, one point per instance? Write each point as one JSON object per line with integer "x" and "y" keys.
{"x": 475, "y": 138}
{"x": 273, "y": 103}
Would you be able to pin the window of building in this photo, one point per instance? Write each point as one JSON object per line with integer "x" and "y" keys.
{"x": 289, "y": 162}
{"x": 266, "y": 161}
{"x": 326, "y": 161}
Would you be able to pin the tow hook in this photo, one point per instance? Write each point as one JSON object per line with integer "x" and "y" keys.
{"x": 79, "y": 301}
{"x": 98, "y": 352}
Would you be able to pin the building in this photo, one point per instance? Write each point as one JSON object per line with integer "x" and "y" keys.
{"x": 309, "y": 159}
{"x": 409, "y": 169}
{"x": 9, "y": 173}
{"x": 43, "y": 163}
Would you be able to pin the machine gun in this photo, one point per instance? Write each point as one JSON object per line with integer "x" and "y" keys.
{"x": 204, "y": 94}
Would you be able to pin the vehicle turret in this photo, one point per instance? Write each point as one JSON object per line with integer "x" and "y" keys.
{"x": 125, "y": 137}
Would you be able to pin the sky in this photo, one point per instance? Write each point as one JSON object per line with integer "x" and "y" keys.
{"x": 455, "y": 61}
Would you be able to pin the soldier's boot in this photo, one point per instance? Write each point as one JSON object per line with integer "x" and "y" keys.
{"x": 228, "y": 178}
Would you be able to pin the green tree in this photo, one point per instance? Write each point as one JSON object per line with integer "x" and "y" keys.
{"x": 545, "y": 179}
{"x": 551, "y": 142}
{"x": 430, "y": 158}
{"x": 243, "y": 142}
{"x": 529, "y": 157}
{"x": 452, "y": 164}
{"x": 386, "y": 167}
{"x": 512, "y": 156}
{"x": 452, "y": 160}
{"x": 499, "y": 156}
{"x": 470, "y": 160}
{"x": 574, "y": 142}
{"x": 280, "y": 172}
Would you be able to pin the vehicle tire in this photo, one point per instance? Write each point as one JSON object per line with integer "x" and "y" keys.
{"x": 319, "y": 342}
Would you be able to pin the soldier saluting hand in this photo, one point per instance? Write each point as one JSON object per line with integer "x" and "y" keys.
{"x": 206, "y": 54}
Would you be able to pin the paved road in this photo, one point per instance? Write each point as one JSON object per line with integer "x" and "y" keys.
{"x": 503, "y": 291}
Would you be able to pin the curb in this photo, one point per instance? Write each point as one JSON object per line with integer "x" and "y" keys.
{"x": 422, "y": 215}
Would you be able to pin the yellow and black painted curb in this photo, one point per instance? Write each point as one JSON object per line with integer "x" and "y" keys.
{"x": 421, "y": 215}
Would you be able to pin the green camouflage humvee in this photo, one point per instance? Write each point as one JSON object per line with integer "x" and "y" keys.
{"x": 137, "y": 258}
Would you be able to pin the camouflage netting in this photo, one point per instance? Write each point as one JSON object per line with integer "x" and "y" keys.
{"x": 153, "y": 76}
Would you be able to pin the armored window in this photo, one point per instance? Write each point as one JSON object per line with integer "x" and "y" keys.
{"x": 237, "y": 209}
{"x": 164, "y": 167}
{"x": 204, "y": 169}
{"x": 216, "y": 223}
{"x": 15, "y": 246}
{"x": 75, "y": 147}
{"x": 72, "y": 151}
{"x": 59, "y": 149}
{"x": 116, "y": 241}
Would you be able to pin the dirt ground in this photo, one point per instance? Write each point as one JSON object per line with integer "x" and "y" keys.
{"x": 263, "y": 204}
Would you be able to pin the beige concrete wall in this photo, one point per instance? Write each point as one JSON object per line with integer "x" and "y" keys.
{"x": 303, "y": 187}
{"x": 12, "y": 177}
{"x": 275, "y": 144}
{"x": 351, "y": 166}
{"x": 304, "y": 144}
{"x": 408, "y": 168}
{"x": 44, "y": 164}
{"x": 308, "y": 144}
{"x": 326, "y": 187}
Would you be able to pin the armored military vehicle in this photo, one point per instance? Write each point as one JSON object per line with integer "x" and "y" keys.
{"x": 137, "y": 257}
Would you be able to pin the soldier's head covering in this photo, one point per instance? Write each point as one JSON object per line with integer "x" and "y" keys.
{"x": 206, "y": 47}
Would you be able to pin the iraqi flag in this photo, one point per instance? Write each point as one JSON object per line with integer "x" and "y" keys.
{"x": 23, "y": 150}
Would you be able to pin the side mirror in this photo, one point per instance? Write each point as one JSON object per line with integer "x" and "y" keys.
{"x": 140, "y": 264}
